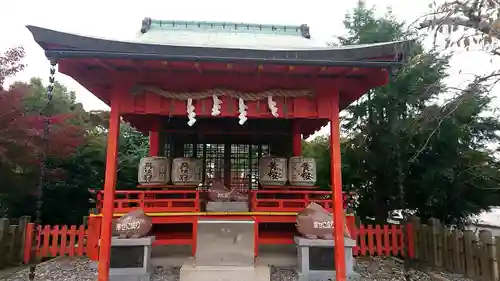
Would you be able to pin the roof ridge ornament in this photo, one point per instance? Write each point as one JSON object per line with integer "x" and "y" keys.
{"x": 279, "y": 29}
{"x": 304, "y": 30}
{"x": 146, "y": 25}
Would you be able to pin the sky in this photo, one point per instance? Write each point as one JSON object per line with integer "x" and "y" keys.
{"x": 121, "y": 20}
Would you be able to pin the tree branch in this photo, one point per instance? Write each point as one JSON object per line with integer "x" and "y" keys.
{"x": 482, "y": 26}
{"x": 455, "y": 104}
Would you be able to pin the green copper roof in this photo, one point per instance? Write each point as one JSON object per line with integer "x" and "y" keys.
{"x": 227, "y": 35}
{"x": 227, "y": 27}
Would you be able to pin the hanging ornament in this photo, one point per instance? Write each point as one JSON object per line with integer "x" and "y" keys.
{"x": 42, "y": 181}
{"x": 242, "y": 109}
{"x": 217, "y": 105}
{"x": 272, "y": 106}
{"x": 190, "y": 112}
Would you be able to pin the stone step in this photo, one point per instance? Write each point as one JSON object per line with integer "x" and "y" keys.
{"x": 190, "y": 272}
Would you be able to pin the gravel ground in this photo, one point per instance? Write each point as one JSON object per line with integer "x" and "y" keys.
{"x": 373, "y": 269}
{"x": 390, "y": 269}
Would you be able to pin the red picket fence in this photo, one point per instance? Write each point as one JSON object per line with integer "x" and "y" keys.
{"x": 386, "y": 240}
{"x": 54, "y": 241}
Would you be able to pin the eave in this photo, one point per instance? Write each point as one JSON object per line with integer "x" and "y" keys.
{"x": 57, "y": 54}
{"x": 60, "y": 45}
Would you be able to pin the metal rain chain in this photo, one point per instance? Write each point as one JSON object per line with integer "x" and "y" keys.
{"x": 42, "y": 180}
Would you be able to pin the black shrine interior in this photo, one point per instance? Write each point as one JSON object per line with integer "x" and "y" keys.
{"x": 227, "y": 149}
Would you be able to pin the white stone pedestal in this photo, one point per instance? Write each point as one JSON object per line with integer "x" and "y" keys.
{"x": 222, "y": 242}
{"x": 191, "y": 272}
{"x": 225, "y": 252}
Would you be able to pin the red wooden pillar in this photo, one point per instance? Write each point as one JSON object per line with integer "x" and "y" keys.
{"x": 296, "y": 138}
{"x": 154, "y": 138}
{"x": 94, "y": 232}
{"x": 29, "y": 242}
{"x": 336, "y": 174}
{"x": 109, "y": 190}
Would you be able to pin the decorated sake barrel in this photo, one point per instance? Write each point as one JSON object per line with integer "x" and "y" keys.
{"x": 272, "y": 171}
{"x": 302, "y": 171}
{"x": 154, "y": 171}
{"x": 186, "y": 171}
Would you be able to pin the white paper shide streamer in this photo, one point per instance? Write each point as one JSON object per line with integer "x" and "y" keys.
{"x": 190, "y": 112}
{"x": 242, "y": 109}
{"x": 272, "y": 106}
{"x": 217, "y": 104}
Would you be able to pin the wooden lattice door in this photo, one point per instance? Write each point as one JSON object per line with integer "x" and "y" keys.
{"x": 237, "y": 164}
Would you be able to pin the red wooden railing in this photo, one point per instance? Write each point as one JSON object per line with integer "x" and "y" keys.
{"x": 188, "y": 200}
{"x": 292, "y": 200}
{"x": 154, "y": 201}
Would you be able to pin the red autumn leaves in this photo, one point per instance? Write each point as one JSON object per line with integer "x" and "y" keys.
{"x": 22, "y": 141}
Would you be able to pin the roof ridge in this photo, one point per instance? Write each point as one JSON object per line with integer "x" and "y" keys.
{"x": 299, "y": 30}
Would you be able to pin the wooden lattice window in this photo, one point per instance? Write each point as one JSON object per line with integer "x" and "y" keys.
{"x": 240, "y": 166}
{"x": 257, "y": 151}
{"x": 243, "y": 169}
{"x": 167, "y": 149}
{"x": 213, "y": 159}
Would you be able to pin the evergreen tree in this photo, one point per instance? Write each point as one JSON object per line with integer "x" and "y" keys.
{"x": 405, "y": 151}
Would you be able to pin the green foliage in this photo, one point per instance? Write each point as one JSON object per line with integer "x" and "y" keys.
{"x": 405, "y": 151}
{"x": 363, "y": 26}
{"x": 133, "y": 146}
{"x": 85, "y": 169}
{"x": 319, "y": 148}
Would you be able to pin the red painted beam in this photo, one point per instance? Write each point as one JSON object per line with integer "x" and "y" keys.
{"x": 154, "y": 137}
{"x": 296, "y": 138}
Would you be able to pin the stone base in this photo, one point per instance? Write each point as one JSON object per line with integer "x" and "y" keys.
{"x": 312, "y": 265}
{"x": 126, "y": 277}
{"x": 301, "y": 241}
{"x": 227, "y": 207}
{"x": 121, "y": 268}
{"x": 191, "y": 272}
{"x": 143, "y": 277}
{"x": 324, "y": 276}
